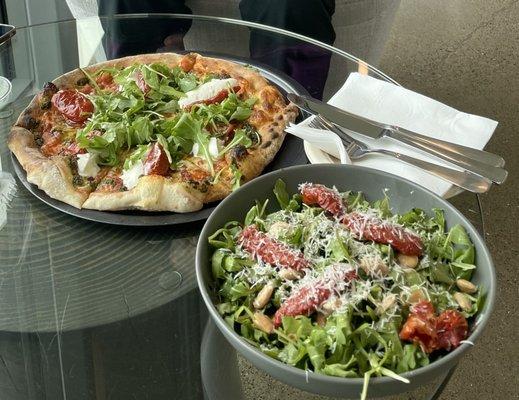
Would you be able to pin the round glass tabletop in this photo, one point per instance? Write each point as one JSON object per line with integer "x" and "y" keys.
{"x": 91, "y": 310}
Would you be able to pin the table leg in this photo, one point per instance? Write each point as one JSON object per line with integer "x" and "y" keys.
{"x": 443, "y": 384}
{"x": 219, "y": 365}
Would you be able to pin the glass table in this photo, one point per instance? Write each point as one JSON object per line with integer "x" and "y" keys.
{"x": 96, "y": 311}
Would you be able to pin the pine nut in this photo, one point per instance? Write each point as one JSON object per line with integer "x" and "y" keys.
{"x": 466, "y": 286}
{"x": 262, "y": 322}
{"x": 289, "y": 274}
{"x": 463, "y": 301}
{"x": 263, "y": 296}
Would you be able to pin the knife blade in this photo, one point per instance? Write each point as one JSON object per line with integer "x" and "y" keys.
{"x": 337, "y": 116}
{"x": 461, "y": 156}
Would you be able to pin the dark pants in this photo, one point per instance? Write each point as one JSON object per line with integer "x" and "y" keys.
{"x": 130, "y": 36}
{"x": 306, "y": 63}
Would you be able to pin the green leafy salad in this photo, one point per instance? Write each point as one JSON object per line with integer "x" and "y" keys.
{"x": 335, "y": 284}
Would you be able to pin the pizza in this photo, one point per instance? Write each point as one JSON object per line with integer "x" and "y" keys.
{"x": 157, "y": 132}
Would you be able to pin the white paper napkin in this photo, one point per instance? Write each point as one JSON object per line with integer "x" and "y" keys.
{"x": 327, "y": 141}
{"x": 391, "y": 104}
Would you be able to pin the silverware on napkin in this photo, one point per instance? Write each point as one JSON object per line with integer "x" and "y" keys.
{"x": 357, "y": 149}
{"x": 482, "y": 163}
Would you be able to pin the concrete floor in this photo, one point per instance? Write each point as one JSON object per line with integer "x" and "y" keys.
{"x": 464, "y": 53}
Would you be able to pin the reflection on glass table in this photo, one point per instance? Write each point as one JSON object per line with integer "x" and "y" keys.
{"x": 91, "y": 310}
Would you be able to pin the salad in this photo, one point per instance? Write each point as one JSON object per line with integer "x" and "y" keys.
{"x": 337, "y": 285}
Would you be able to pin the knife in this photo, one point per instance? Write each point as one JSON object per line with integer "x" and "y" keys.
{"x": 480, "y": 162}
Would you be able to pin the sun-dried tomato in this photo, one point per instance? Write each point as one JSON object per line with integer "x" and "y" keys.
{"x": 156, "y": 162}
{"x": 431, "y": 332}
{"x": 367, "y": 227}
{"x": 326, "y": 198}
{"x": 73, "y": 105}
{"x": 141, "y": 83}
{"x": 452, "y": 328}
{"x": 420, "y": 326}
{"x": 105, "y": 81}
{"x": 73, "y": 148}
{"x": 270, "y": 250}
{"x": 306, "y": 300}
{"x": 52, "y": 143}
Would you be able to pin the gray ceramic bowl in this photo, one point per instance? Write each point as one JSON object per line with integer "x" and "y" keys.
{"x": 404, "y": 195}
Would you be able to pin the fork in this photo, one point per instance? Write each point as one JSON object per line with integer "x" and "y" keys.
{"x": 357, "y": 149}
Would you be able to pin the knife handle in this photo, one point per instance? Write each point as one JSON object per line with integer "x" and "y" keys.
{"x": 483, "y": 156}
{"x": 466, "y": 180}
{"x": 451, "y": 152}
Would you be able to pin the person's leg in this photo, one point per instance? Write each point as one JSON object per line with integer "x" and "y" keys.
{"x": 306, "y": 63}
{"x": 139, "y": 36}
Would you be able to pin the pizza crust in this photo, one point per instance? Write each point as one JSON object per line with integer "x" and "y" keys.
{"x": 52, "y": 175}
{"x": 69, "y": 79}
{"x": 152, "y": 193}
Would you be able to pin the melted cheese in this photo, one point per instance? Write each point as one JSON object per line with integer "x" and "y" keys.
{"x": 87, "y": 165}
{"x": 195, "y": 149}
{"x": 207, "y": 91}
{"x": 131, "y": 176}
{"x": 213, "y": 147}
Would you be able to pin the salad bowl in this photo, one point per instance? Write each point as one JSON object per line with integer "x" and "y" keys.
{"x": 403, "y": 196}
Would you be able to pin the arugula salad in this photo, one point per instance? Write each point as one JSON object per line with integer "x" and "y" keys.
{"x": 143, "y": 104}
{"x": 335, "y": 284}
